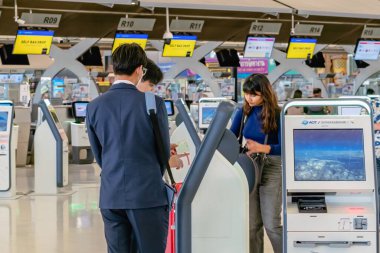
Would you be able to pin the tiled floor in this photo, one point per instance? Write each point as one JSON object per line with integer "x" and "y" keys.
{"x": 50, "y": 224}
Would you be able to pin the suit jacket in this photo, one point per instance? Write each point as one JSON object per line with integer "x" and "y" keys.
{"x": 122, "y": 140}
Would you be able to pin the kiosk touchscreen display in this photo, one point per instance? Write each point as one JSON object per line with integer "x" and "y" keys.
{"x": 169, "y": 107}
{"x": 208, "y": 114}
{"x": 329, "y": 155}
{"x": 3, "y": 121}
{"x": 80, "y": 109}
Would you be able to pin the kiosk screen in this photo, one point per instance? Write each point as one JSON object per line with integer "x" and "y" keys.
{"x": 329, "y": 155}
{"x": 208, "y": 114}
{"x": 80, "y": 109}
{"x": 3, "y": 121}
{"x": 169, "y": 107}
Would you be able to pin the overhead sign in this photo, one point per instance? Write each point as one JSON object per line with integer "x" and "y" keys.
{"x": 136, "y": 24}
{"x": 308, "y": 30}
{"x": 191, "y": 26}
{"x": 124, "y": 38}
{"x": 371, "y": 33}
{"x": 41, "y": 19}
{"x": 180, "y": 46}
{"x": 265, "y": 28}
{"x": 33, "y": 42}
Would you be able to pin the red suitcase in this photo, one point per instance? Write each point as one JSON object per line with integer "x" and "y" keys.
{"x": 170, "y": 245}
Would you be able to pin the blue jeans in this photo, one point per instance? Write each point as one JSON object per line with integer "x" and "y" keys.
{"x": 265, "y": 208}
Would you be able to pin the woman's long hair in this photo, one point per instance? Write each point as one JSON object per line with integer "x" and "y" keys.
{"x": 260, "y": 83}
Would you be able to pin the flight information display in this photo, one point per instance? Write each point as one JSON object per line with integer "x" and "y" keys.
{"x": 258, "y": 47}
{"x": 367, "y": 50}
{"x": 33, "y": 42}
{"x": 127, "y": 38}
{"x": 301, "y": 48}
{"x": 180, "y": 46}
{"x": 329, "y": 155}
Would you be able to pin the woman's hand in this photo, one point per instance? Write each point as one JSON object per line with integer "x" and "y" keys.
{"x": 255, "y": 147}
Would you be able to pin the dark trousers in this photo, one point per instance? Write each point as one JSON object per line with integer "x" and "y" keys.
{"x": 149, "y": 228}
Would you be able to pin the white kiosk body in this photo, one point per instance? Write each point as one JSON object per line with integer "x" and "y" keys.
{"x": 329, "y": 181}
{"x": 50, "y": 152}
{"x": 212, "y": 207}
{"x": 80, "y": 143}
{"x": 7, "y": 151}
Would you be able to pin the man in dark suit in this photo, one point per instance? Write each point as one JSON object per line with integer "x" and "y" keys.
{"x": 133, "y": 198}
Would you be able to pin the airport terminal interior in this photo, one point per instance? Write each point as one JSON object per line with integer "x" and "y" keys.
{"x": 321, "y": 59}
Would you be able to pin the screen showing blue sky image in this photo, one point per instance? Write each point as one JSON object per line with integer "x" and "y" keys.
{"x": 3, "y": 121}
{"x": 329, "y": 155}
{"x": 208, "y": 114}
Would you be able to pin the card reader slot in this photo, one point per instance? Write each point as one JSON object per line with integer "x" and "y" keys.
{"x": 331, "y": 244}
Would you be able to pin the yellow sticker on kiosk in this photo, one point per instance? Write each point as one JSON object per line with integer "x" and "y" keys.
{"x": 33, "y": 42}
{"x": 301, "y": 48}
{"x": 127, "y": 38}
{"x": 180, "y": 46}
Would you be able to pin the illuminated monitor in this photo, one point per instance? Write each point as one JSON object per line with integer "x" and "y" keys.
{"x": 367, "y": 50}
{"x": 79, "y": 110}
{"x": 258, "y": 47}
{"x": 180, "y": 46}
{"x": 3, "y": 121}
{"x": 301, "y": 48}
{"x": 329, "y": 155}
{"x": 33, "y": 42}
{"x": 169, "y": 107}
{"x": 207, "y": 111}
{"x": 125, "y": 38}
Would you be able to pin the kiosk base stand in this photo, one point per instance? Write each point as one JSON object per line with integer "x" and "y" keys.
{"x": 11, "y": 193}
{"x": 80, "y": 144}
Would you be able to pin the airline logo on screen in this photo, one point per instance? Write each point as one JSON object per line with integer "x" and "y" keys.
{"x": 33, "y": 42}
{"x": 180, "y": 46}
{"x": 121, "y": 38}
{"x": 320, "y": 122}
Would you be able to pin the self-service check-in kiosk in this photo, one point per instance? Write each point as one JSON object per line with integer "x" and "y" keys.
{"x": 7, "y": 151}
{"x": 80, "y": 144}
{"x": 51, "y": 153}
{"x": 329, "y": 180}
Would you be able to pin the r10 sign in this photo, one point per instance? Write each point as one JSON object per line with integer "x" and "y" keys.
{"x": 136, "y": 24}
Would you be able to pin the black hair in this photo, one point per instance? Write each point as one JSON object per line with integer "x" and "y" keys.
{"x": 370, "y": 91}
{"x": 297, "y": 94}
{"x": 153, "y": 73}
{"x": 317, "y": 90}
{"x": 127, "y": 58}
{"x": 257, "y": 83}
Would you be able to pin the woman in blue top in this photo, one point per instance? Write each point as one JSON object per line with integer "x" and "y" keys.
{"x": 262, "y": 118}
